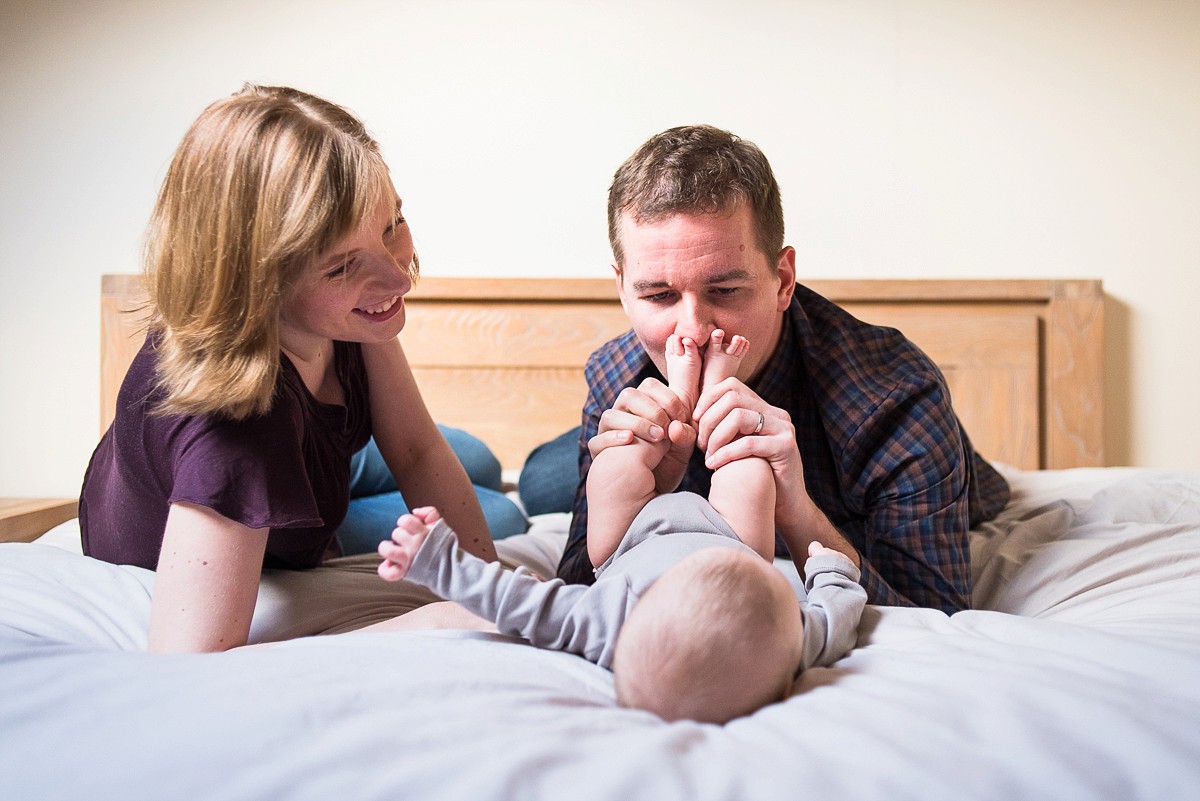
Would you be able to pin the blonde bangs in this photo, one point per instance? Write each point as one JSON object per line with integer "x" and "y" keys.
{"x": 319, "y": 213}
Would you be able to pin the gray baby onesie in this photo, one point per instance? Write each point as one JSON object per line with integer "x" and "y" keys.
{"x": 585, "y": 619}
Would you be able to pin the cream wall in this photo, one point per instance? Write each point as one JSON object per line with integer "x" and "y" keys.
{"x": 924, "y": 138}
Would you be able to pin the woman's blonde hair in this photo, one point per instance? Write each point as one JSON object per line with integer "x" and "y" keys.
{"x": 261, "y": 184}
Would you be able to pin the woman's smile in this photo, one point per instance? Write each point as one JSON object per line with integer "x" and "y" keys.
{"x": 381, "y": 312}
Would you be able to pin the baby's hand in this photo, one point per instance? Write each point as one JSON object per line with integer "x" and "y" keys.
{"x": 817, "y": 549}
{"x": 407, "y": 538}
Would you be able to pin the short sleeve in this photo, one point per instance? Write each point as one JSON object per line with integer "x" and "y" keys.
{"x": 220, "y": 464}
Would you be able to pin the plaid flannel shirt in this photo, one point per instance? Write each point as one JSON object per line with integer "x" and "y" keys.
{"x": 885, "y": 457}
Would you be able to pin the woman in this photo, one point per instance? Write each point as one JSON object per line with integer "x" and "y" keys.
{"x": 277, "y": 263}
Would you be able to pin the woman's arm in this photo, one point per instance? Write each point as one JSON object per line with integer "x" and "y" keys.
{"x": 425, "y": 468}
{"x": 207, "y": 582}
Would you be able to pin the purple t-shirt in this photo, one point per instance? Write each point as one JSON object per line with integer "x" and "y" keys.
{"x": 287, "y": 470}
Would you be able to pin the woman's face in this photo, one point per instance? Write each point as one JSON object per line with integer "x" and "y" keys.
{"x": 354, "y": 291}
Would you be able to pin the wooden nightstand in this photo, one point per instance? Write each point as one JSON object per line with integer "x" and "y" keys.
{"x": 26, "y": 519}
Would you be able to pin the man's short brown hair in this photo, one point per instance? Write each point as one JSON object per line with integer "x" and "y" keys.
{"x": 696, "y": 169}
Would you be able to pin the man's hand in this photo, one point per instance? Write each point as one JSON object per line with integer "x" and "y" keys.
{"x": 654, "y": 413}
{"x": 733, "y": 422}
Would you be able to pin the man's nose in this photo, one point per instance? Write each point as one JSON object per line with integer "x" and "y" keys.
{"x": 694, "y": 321}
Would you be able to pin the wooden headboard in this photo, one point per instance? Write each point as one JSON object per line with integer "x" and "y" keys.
{"x": 503, "y": 358}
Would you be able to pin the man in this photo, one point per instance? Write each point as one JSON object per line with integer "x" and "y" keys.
{"x": 868, "y": 457}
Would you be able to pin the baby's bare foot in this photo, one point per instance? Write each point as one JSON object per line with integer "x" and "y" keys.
{"x": 722, "y": 358}
{"x": 683, "y": 368}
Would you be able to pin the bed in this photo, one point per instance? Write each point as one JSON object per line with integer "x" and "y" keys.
{"x": 1076, "y": 675}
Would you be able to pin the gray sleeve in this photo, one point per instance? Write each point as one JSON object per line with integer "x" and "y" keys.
{"x": 831, "y": 614}
{"x": 580, "y": 619}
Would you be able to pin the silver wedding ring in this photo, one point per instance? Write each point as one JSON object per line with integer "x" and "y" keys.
{"x": 758, "y": 427}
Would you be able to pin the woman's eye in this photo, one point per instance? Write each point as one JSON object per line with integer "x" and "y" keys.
{"x": 339, "y": 271}
{"x": 396, "y": 223}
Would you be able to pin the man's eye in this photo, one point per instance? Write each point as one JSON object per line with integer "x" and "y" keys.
{"x": 657, "y": 297}
{"x": 725, "y": 291}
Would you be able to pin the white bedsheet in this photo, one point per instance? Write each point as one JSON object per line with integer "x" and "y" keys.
{"x": 1077, "y": 676}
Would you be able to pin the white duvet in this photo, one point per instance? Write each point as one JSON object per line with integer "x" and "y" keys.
{"x": 1076, "y": 676}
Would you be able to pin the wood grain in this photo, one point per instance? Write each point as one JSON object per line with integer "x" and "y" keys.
{"x": 503, "y": 358}
{"x": 26, "y": 519}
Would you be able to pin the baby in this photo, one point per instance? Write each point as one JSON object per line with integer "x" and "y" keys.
{"x": 687, "y": 609}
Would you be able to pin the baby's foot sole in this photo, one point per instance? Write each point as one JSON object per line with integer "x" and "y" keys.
{"x": 723, "y": 357}
{"x": 684, "y": 366}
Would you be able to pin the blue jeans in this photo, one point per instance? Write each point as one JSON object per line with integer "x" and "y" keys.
{"x": 551, "y": 475}
{"x": 375, "y": 502}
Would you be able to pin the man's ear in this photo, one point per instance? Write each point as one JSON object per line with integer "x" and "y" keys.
{"x": 785, "y": 271}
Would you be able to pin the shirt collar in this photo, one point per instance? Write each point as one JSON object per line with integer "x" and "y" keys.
{"x": 774, "y": 383}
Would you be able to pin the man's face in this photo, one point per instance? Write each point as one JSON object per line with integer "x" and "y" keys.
{"x": 691, "y": 273}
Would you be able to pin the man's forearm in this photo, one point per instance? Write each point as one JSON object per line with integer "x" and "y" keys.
{"x": 808, "y": 525}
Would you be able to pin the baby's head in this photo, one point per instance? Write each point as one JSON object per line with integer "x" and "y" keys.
{"x": 716, "y": 637}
